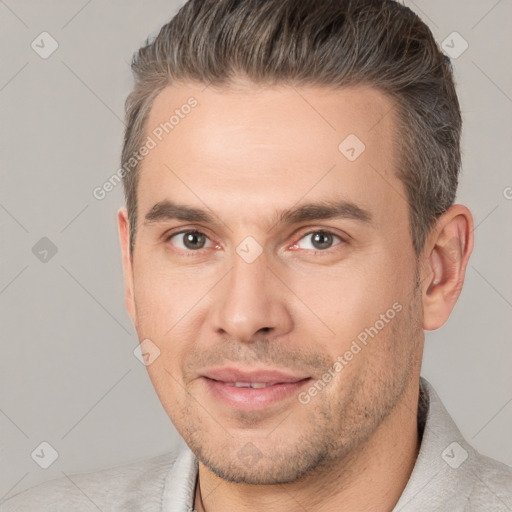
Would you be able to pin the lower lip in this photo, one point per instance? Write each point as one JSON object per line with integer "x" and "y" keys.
{"x": 251, "y": 399}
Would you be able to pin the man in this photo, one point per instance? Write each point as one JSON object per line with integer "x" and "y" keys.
{"x": 290, "y": 170}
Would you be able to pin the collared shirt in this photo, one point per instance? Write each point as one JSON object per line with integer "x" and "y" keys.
{"x": 449, "y": 475}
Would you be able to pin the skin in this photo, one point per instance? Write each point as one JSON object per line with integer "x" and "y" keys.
{"x": 243, "y": 154}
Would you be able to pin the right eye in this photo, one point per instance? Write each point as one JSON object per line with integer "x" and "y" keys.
{"x": 189, "y": 240}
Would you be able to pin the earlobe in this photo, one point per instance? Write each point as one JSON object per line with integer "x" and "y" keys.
{"x": 450, "y": 245}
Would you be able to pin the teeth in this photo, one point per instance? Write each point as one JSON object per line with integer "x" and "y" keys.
{"x": 257, "y": 385}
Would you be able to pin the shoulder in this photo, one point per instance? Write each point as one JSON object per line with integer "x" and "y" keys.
{"x": 450, "y": 474}
{"x": 122, "y": 487}
{"x": 491, "y": 485}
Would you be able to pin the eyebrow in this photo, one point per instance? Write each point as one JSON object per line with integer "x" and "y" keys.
{"x": 168, "y": 210}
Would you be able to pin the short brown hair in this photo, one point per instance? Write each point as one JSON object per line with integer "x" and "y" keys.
{"x": 332, "y": 43}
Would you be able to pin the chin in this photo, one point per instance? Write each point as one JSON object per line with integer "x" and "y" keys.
{"x": 257, "y": 469}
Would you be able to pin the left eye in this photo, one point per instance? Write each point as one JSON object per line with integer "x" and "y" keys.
{"x": 190, "y": 240}
{"x": 319, "y": 240}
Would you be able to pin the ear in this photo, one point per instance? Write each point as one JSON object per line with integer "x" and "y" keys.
{"x": 124, "y": 236}
{"x": 445, "y": 257}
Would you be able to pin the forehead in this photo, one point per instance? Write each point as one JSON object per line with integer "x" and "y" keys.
{"x": 251, "y": 147}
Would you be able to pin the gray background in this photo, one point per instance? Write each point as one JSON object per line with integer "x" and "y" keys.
{"x": 68, "y": 373}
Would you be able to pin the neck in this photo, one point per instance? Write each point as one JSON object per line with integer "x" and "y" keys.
{"x": 372, "y": 478}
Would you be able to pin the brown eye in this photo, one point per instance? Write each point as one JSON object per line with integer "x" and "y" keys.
{"x": 189, "y": 240}
{"x": 318, "y": 240}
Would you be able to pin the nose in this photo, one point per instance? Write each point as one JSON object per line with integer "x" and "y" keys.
{"x": 251, "y": 302}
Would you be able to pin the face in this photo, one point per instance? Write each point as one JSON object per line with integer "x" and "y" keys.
{"x": 274, "y": 271}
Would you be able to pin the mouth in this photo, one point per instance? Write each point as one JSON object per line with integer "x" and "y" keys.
{"x": 252, "y": 390}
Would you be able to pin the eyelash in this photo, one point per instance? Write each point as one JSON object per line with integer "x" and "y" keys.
{"x": 192, "y": 253}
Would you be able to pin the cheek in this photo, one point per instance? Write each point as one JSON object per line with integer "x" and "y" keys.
{"x": 169, "y": 388}
{"x": 349, "y": 295}
{"x": 169, "y": 312}
{"x": 360, "y": 302}
{"x": 162, "y": 297}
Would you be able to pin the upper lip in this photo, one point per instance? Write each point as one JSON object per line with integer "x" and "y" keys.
{"x": 267, "y": 376}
